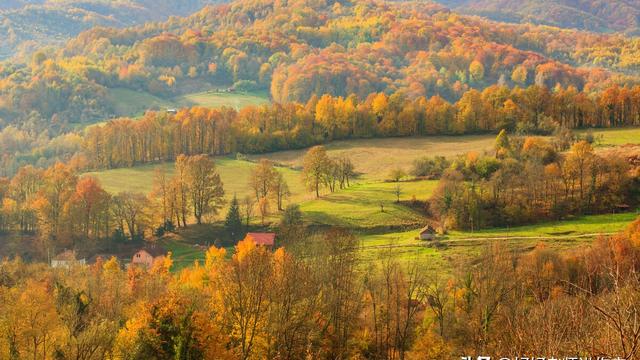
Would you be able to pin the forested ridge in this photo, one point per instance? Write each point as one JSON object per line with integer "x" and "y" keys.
{"x": 58, "y": 21}
{"x": 342, "y": 49}
{"x": 296, "y": 50}
{"x": 592, "y": 15}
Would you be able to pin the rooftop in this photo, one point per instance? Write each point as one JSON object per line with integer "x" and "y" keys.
{"x": 268, "y": 239}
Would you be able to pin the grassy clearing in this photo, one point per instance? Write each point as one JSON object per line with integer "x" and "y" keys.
{"x": 445, "y": 256}
{"x": 458, "y": 246}
{"x": 615, "y": 137}
{"x": 236, "y": 100}
{"x": 593, "y": 224}
{"x": 375, "y": 158}
{"x": 234, "y": 174}
{"x": 358, "y": 207}
{"x": 129, "y": 102}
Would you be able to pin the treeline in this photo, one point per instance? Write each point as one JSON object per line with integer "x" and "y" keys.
{"x": 529, "y": 180}
{"x": 317, "y": 299}
{"x": 160, "y": 136}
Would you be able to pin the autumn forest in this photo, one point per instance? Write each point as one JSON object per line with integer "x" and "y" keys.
{"x": 302, "y": 179}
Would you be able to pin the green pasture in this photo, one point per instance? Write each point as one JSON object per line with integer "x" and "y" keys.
{"x": 234, "y": 174}
{"x": 366, "y": 206}
{"x": 127, "y": 102}
{"x": 614, "y": 137}
{"x": 375, "y": 158}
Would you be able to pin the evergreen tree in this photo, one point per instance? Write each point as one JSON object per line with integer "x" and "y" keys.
{"x": 233, "y": 222}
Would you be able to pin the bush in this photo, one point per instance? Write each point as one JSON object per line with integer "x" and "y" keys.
{"x": 245, "y": 85}
{"x": 430, "y": 167}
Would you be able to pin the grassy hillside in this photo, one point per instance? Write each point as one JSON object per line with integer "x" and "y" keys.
{"x": 444, "y": 256}
{"x": 234, "y": 174}
{"x": 375, "y": 158}
{"x": 214, "y": 99}
{"x": 32, "y": 24}
{"x": 614, "y": 137}
{"x": 355, "y": 207}
{"x": 128, "y": 102}
{"x": 460, "y": 246}
{"x": 391, "y": 232}
{"x": 359, "y": 207}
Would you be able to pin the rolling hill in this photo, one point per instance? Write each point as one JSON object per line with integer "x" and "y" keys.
{"x": 359, "y": 48}
{"x": 31, "y": 24}
{"x": 592, "y": 15}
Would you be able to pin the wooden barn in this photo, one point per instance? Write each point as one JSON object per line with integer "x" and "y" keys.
{"x": 428, "y": 233}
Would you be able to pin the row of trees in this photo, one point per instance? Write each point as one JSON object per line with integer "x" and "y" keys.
{"x": 160, "y": 136}
{"x": 66, "y": 210}
{"x": 528, "y": 181}
{"x": 319, "y": 300}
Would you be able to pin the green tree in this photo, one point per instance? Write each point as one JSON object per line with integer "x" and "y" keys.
{"x": 292, "y": 216}
{"x": 397, "y": 174}
{"x": 233, "y": 222}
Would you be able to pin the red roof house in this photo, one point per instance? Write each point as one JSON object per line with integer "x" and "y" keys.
{"x": 262, "y": 239}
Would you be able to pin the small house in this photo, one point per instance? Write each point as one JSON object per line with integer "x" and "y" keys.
{"x": 262, "y": 239}
{"x": 428, "y": 233}
{"x": 147, "y": 256}
{"x": 172, "y": 111}
{"x": 66, "y": 260}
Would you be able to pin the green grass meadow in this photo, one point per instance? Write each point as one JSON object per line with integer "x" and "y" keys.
{"x": 361, "y": 206}
{"x": 375, "y": 158}
{"x": 127, "y": 102}
{"x": 236, "y": 100}
{"x": 459, "y": 246}
{"x": 614, "y": 137}
{"x": 234, "y": 174}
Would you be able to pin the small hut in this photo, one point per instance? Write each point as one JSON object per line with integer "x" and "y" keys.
{"x": 428, "y": 233}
